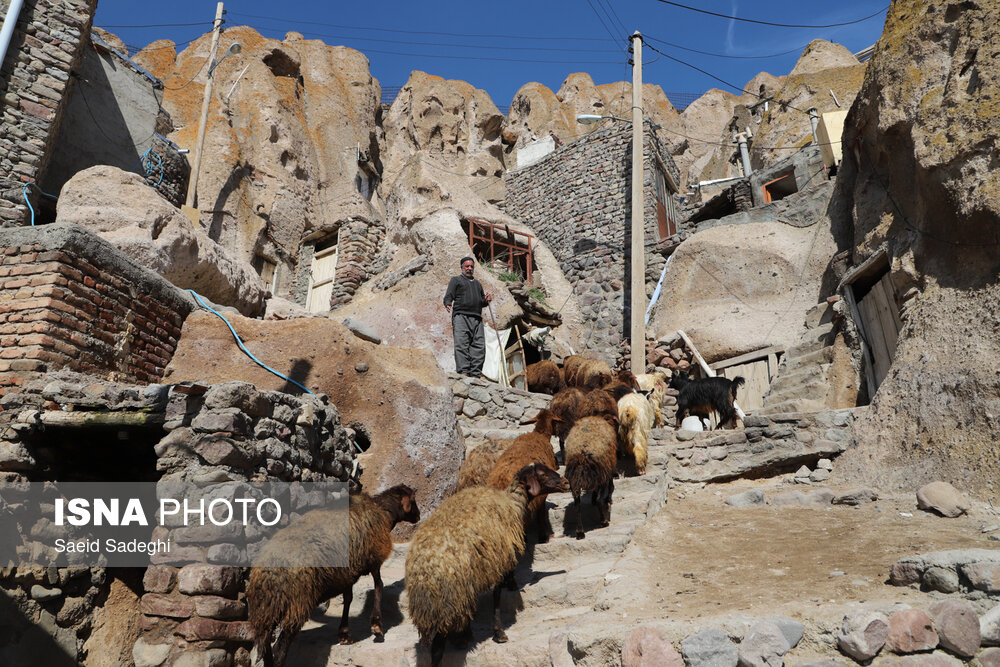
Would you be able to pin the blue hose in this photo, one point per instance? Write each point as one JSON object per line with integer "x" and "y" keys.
{"x": 28, "y": 202}
{"x": 242, "y": 346}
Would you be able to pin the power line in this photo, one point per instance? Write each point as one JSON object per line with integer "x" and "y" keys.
{"x": 777, "y": 25}
{"x": 723, "y": 55}
{"x": 611, "y": 8}
{"x": 459, "y": 46}
{"x": 507, "y": 60}
{"x": 188, "y": 82}
{"x": 610, "y": 32}
{"x": 411, "y": 32}
{"x": 161, "y": 25}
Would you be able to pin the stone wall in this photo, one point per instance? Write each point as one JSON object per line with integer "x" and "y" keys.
{"x": 577, "y": 200}
{"x": 767, "y": 445}
{"x": 47, "y": 44}
{"x": 68, "y": 299}
{"x": 358, "y": 243}
{"x": 485, "y": 409}
{"x": 230, "y": 432}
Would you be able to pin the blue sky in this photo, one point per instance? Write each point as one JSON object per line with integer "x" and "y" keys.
{"x": 501, "y": 46}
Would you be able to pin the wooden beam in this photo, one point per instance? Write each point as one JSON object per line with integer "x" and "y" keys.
{"x": 697, "y": 355}
{"x": 749, "y": 356}
{"x": 101, "y": 419}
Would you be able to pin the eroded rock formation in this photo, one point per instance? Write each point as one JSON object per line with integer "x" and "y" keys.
{"x": 925, "y": 188}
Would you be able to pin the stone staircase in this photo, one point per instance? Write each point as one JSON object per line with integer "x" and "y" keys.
{"x": 559, "y": 584}
{"x": 801, "y": 384}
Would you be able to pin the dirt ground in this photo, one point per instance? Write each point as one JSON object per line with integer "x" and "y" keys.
{"x": 712, "y": 559}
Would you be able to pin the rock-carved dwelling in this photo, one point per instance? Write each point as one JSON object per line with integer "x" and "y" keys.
{"x": 577, "y": 198}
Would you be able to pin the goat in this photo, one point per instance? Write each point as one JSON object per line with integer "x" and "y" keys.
{"x": 544, "y": 377}
{"x": 701, "y": 397}
{"x": 469, "y": 545}
{"x": 476, "y": 467}
{"x": 280, "y": 598}
{"x": 591, "y": 458}
{"x": 654, "y": 386}
{"x": 527, "y": 448}
{"x": 635, "y": 418}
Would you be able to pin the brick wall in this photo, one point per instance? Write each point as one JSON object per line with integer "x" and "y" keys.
{"x": 70, "y": 300}
{"x": 578, "y": 201}
{"x": 47, "y": 44}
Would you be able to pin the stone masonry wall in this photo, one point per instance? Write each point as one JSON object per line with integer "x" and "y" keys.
{"x": 231, "y": 432}
{"x": 359, "y": 242}
{"x": 578, "y": 202}
{"x": 486, "y": 409}
{"x": 70, "y": 300}
{"x": 46, "y": 46}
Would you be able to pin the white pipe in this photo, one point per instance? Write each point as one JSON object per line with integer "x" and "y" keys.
{"x": 233, "y": 87}
{"x": 9, "y": 23}
{"x": 659, "y": 285}
{"x": 702, "y": 184}
{"x": 814, "y": 122}
{"x": 744, "y": 154}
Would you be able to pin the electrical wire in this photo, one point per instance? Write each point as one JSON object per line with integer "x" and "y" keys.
{"x": 723, "y": 55}
{"x": 458, "y": 46}
{"x": 160, "y": 25}
{"x": 611, "y": 8}
{"x": 601, "y": 19}
{"x": 777, "y": 25}
{"x": 242, "y": 346}
{"x": 27, "y": 201}
{"x": 411, "y": 32}
{"x": 189, "y": 81}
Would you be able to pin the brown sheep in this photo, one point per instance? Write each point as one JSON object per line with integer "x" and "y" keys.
{"x": 469, "y": 545}
{"x": 635, "y": 418}
{"x": 280, "y": 598}
{"x": 598, "y": 403}
{"x": 591, "y": 458}
{"x": 476, "y": 467}
{"x": 586, "y": 373}
{"x": 527, "y": 448}
{"x": 627, "y": 378}
{"x": 618, "y": 389}
{"x": 566, "y": 406}
{"x": 544, "y": 377}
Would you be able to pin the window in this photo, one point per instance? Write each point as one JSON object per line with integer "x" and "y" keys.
{"x": 321, "y": 279}
{"x": 499, "y": 246}
{"x": 666, "y": 213}
{"x": 780, "y": 187}
{"x": 268, "y": 272}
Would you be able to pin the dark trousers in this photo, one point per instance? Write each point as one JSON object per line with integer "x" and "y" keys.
{"x": 470, "y": 343}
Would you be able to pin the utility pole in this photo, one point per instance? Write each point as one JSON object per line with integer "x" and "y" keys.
{"x": 638, "y": 283}
{"x": 203, "y": 121}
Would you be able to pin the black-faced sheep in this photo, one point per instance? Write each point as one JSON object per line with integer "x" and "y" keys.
{"x": 280, "y": 598}
{"x": 528, "y": 448}
{"x": 635, "y": 419}
{"x": 544, "y": 377}
{"x": 701, "y": 397}
{"x": 591, "y": 458}
{"x": 586, "y": 373}
{"x": 469, "y": 545}
{"x": 566, "y": 406}
{"x": 476, "y": 467}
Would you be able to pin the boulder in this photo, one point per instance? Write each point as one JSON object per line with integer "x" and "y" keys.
{"x": 709, "y": 648}
{"x": 957, "y": 627}
{"x": 720, "y": 286}
{"x": 120, "y": 207}
{"x": 402, "y": 405}
{"x": 863, "y": 634}
{"x": 989, "y": 627}
{"x": 763, "y": 646}
{"x": 647, "y": 647}
{"x": 943, "y": 498}
{"x": 746, "y": 499}
{"x": 910, "y": 631}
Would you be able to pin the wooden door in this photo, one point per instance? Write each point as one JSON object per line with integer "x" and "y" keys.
{"x": 881, "y": 324}
{"x": 514, "y": 355}
{"x": 758, "y": 380}
{"x": 324, "y": 269}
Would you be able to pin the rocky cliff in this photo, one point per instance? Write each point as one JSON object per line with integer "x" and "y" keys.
{"x": 921, "y": 183}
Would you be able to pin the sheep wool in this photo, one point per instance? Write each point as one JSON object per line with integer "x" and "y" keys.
{"x": 476, "y": 467}
{"x": 590, "y": 454}
{"x": 464, "y": 548}
{"x": 635, "y": 419}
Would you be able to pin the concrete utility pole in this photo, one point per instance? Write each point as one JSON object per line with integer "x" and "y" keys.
{"x": 203, "y": 121}
{"x": 638, "y": 284}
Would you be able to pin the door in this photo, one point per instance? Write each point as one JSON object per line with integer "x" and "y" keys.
{"x": 324, "y": 270}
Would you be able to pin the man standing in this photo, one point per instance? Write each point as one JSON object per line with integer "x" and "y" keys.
{"x": 465, "y": 299}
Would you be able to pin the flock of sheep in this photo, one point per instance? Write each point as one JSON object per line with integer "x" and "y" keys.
{"x": 473, "y": 541}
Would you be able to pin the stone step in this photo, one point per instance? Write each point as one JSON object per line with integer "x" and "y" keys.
{"x": 821, "y": 313}
{"x": 810, "y": 360}
{"x": 794, "y": 376}
{"x": 477, "y": 435}
{"x": 813, "y": 340}
{"x": 793, "y": 405}
{"x": 811, "y": 387}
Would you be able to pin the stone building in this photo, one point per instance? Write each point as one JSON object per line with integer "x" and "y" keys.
{"x": 578, "y": 200}
{"x": 71, "y": 101}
